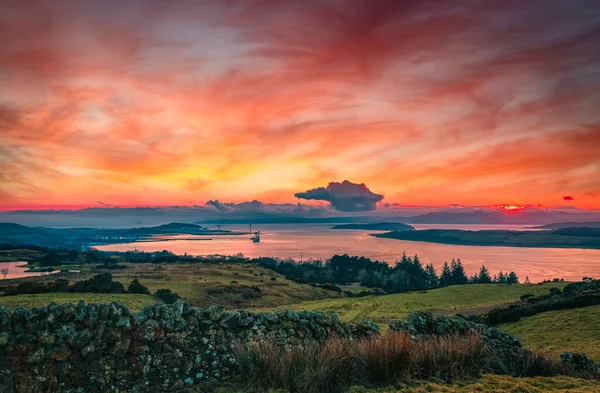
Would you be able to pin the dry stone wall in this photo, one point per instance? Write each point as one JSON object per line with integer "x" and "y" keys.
{"x": 108, "y": 348}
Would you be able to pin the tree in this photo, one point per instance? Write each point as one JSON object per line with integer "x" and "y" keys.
{"x": 446, "y": 276}
{"x": 458, "y": 273}
{"x": 484, "y": 276}
{"x": 501, "y": 278}
{"x": 432, "y": 279}
{"x": 512, "y": 278}
{"x": 4, "y": 272}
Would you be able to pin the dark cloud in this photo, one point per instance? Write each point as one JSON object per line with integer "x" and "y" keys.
{"x": 344, "y": 196}
{"x": 568, "y": 198}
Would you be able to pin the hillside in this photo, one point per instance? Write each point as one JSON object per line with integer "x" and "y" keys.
{"x": 457, "y": 299}
{"x": 574, "y": 330}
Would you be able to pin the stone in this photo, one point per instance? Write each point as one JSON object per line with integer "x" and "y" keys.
{"x": 214, "y": 313}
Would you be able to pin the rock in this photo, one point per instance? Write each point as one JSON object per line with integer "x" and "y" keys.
{"x": 230, "y": 320}
{"x": 4, "y": 338}
{"x": 214, "y": 313}
{"x": 579, "y": 362}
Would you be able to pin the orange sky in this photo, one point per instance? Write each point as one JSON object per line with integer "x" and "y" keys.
{"x": 158, "y": 103}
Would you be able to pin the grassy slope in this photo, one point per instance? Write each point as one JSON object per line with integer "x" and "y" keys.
{"x": 462, "y": 299}
{"x": 554, "y": 332}
{"x": 498, "y": 384}
{"x": 200, "y": 284}
{"x": 134, "y": 302}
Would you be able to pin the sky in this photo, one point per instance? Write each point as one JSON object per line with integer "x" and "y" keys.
{"x": 180, "y": 102}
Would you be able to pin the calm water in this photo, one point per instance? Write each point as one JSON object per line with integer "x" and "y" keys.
{"x": 305, "y": 241}
{"x": 14, "y": 271}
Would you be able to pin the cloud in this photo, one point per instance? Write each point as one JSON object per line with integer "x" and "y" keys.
{"x": 124, "y": 103}
{"x": 568, "y": 198}
{"x": 344, "y": 196}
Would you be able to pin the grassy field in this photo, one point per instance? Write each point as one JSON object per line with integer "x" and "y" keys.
{"x": 554, "y": 332}
{"x": 134, "y": 302}
{"x": 231, "y": 285}
{"x": 497, "y": 384}
{"x": 461, "y": 299}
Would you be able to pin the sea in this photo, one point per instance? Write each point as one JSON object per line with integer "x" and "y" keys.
{"x": 304, "y": 242}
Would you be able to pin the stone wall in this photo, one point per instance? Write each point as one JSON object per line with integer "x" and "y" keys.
{"x": 106, "y": 347}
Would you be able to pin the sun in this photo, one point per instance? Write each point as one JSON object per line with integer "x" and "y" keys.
{"x": 512, "y": 208}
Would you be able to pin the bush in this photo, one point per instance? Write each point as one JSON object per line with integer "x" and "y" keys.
{"x": 574, "y": 295}
{"x": 167, "y": 296}
{"x": 136, "y": 287}
{"x": 526, "y": 296}
{"x": 100, "y": 283}
{"x": 331, "y": 287}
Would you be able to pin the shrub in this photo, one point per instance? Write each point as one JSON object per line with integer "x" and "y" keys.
{"x": 167, "y": 296}
{"x": 526, "y": 296}
{"x": 136, "y": 287}
{"x": 331, "y": 287}
{"x": 100, "y": 283}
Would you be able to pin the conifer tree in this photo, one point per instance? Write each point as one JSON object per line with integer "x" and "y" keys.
{"x": 432, "y": 278}
{"x": 458, "y": 273}
{"x": 446, "y": 276}
{"x": 484, "y": 276}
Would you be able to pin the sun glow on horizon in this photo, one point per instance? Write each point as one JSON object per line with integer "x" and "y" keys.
{"x": 512, "y": 208}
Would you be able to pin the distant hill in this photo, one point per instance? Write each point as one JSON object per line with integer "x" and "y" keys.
{"x": 377, "y": 226}
{"x": 498, "y": 217}
{"x": 559, "y": 238}
{"x": 8, "y": 228}
{"x": 83, "y": 237}
{"x": 560, "y": 225}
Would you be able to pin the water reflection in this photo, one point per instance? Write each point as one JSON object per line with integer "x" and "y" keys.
{"x": 15, "y": 271}
{"x": 306, "y": 241}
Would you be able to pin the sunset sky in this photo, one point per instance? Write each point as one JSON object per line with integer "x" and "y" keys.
{"x": 469, "y": 102}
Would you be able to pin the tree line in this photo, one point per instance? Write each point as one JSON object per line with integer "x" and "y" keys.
{"x": 408, "y": 273}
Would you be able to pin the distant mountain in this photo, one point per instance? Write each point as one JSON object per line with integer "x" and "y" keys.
{"x": 288, "y": 220}
{"x": 560, "y": 225}
{"x": 499, "y": 217}
{"x": 377, "y": 226}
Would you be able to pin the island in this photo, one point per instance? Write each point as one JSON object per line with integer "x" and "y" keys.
{"x": 561, "y": 225}
{"x": 377, "y": 226}
{"x": 559, "y": 238}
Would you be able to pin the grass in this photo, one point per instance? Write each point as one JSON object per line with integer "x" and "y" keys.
{"x": 575, "y": 330}
{"x": 379, "y": 361}
{"x": 202, "y": 284}
{"x": 134, "y": 302}
{"x": 229, "y": 285}
{"x": 461, "y": 299}
{"x": 495, "y": 384}
{"x": 396, "y": 359}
